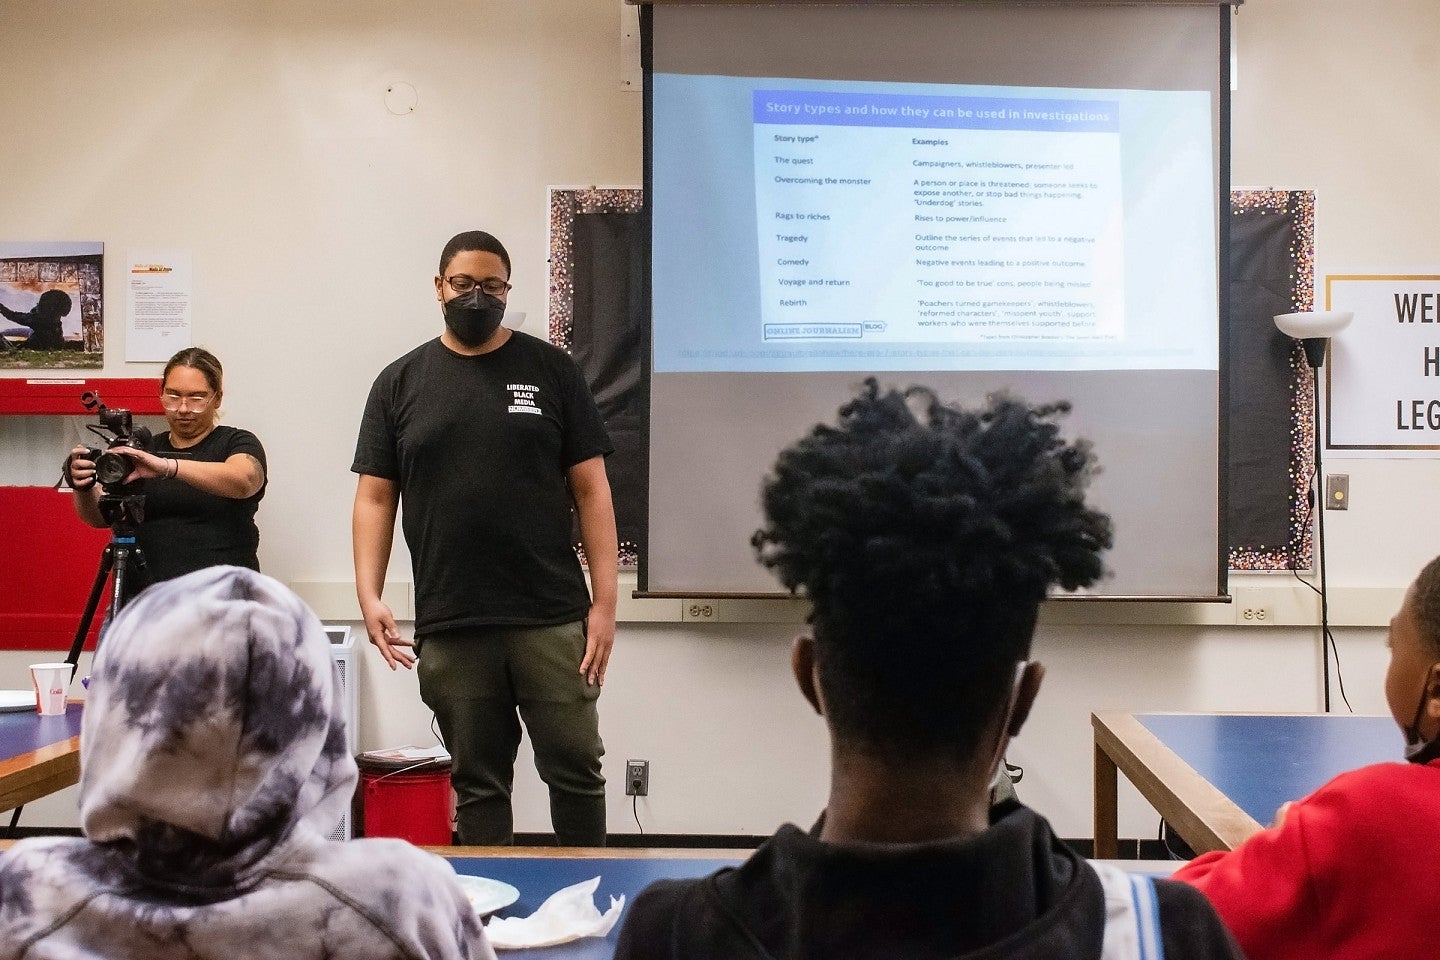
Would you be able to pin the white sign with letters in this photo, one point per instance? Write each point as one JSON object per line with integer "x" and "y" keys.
{"x": 1384, "y": 369}
{"x": 158, "y": 296}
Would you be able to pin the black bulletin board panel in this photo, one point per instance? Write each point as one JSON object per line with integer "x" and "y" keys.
{"x": 598, "y": 260}
{"x": 1271, "y": 406}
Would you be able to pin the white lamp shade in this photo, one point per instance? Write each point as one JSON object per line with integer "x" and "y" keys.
{"x": 1314, "y": 323}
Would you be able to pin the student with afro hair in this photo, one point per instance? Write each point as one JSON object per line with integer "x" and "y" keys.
{"x": 925, "y": 537}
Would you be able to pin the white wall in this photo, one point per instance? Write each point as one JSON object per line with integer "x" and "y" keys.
{"x": 256, "y": 135}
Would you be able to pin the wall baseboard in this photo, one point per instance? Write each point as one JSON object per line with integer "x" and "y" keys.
{"x": 1255, "y": 601}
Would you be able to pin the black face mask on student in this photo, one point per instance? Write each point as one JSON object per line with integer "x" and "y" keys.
{"x": 1418, "y": 749}
{"x": 474, "y": 316}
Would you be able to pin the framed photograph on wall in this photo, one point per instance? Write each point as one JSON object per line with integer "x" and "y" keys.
{"x": 52, "y": 305}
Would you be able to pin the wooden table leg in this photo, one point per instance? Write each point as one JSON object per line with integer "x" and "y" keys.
{"x": 1107, "y": 828}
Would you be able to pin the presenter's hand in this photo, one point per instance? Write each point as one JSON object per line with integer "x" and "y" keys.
{"x": 599, "y": 640}
{"x": 380, "y": 625}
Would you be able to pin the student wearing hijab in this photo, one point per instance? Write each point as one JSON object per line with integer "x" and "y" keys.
{"x": 213, "y": 764}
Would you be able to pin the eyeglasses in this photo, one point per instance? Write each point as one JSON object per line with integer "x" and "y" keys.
{"x": 196, "y": 401}
{"x": 493, "y": 286}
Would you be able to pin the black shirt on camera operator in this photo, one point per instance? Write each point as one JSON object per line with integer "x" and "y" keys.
{"x": 202, "y": 482}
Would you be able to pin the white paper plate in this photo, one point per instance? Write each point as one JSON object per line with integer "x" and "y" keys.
{"x": 14, "y": 701}
{"x": 485, "y": 895}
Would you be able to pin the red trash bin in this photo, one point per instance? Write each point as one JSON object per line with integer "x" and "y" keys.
{"x": 408, "y": 800}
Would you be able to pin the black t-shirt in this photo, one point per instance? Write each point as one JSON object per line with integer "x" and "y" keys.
{"x": 480, "y": 447}
{"x": 186, "y": 529}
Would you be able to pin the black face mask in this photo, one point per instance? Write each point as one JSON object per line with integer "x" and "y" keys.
{"x": 474, "y": 316}
{"x": 1417, "y": 749}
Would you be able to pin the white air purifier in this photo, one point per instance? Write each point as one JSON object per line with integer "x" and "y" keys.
{"x": 342, "y": 651}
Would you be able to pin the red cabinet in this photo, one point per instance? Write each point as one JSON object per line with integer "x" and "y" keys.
{"x": 48, "y": 557}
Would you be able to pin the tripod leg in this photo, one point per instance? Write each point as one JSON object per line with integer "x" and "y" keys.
{"x": 118, "y": 599}
{"x": 129, "y": 561}
{"x": 139, "y": 570}
{"x": 107, "y": 560}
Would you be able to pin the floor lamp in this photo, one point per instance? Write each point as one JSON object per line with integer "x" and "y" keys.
{"x": 1314, "y": 330}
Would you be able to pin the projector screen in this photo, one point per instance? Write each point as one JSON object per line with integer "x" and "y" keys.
{"x": 972, "y": 197}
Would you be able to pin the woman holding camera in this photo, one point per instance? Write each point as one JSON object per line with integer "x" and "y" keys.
{"x": 203, "y": 481}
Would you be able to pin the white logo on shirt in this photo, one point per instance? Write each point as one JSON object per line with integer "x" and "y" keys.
{"x": 522, "y": 398}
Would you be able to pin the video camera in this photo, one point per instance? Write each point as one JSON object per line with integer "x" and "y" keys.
{"x": 117, "y": 429}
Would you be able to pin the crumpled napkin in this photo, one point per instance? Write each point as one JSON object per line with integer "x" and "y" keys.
{"x": 566, "y": 915}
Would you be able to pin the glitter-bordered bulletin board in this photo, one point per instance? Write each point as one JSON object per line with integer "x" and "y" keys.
{"x": 597, "y": 312}
{"x": 1271, "y": 407}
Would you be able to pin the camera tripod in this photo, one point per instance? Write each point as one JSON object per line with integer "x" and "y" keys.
{"x": 121, "y": 556}
{"x": 125, "y": 513}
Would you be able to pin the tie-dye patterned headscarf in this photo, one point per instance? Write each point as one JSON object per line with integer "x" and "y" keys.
{"x": 213, "y": 765}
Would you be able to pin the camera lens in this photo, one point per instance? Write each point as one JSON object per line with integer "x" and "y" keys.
{"x": 112, "y": 468}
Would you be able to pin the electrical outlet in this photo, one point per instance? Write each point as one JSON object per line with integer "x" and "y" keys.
{"x": 637, "y": 778}
{"x": 1337, "y": 491}
{"x": 1256, "y": 615}
{"x": 698, "y": 610}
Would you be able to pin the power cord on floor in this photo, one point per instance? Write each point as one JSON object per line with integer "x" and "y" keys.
{"x": 1328, "y": 646}
{"x": 1166, "y": 836}
{"x": 435, "y": 729}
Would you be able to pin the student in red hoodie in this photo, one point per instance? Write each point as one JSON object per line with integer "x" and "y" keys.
{"x": 1347, "y": 872}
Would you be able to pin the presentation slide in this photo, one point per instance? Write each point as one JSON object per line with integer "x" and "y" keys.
{"x": 970, "y": 197}
{"x": 853, "y": 225}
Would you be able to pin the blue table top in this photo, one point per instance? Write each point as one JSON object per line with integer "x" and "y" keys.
{"x": 1261, "y": 761}
{"x": 537, "y": 878}
{"x": 24, "y": 731}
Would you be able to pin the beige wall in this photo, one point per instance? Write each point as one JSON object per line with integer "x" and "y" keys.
{"x": 256, "y": 136}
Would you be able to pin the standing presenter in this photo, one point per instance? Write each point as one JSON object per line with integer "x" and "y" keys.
{"x": 203, "y": 481}
{"x": 490, "y": 437}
